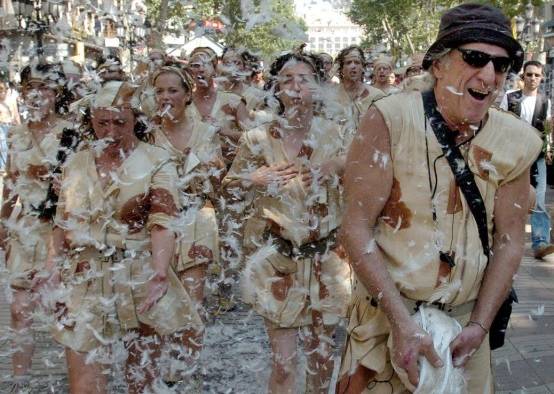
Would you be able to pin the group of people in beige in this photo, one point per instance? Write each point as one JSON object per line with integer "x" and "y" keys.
{"x": 331, "y": 201}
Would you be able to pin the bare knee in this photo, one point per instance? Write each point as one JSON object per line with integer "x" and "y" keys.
{"x": 20, "y": 313}
{"x": 282, "y": 372}
{"x": 84, "y": 378}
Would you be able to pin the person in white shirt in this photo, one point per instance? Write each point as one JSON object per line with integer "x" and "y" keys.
{"x": 533, "y": 107}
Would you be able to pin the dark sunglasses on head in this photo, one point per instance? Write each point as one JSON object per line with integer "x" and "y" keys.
{"x": 480, "y": 59}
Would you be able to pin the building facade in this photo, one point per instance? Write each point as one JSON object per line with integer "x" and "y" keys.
{"x": 329, "y": 29}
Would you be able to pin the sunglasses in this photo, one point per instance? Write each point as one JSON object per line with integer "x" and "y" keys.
{"x": 480, "y": 59}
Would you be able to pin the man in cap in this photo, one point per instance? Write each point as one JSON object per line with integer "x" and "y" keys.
{"x": 408, "y": 230}
{"x": 534, "y": 107}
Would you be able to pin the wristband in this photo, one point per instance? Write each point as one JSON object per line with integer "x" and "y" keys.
{"x": 476, "y": 323}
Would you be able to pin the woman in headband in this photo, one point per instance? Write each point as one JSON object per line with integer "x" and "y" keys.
{"x": 294, "y": 276}
{"x": 118, "y": 210}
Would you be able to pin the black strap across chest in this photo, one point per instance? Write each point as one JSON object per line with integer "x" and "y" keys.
{"x": 462, "y": 174}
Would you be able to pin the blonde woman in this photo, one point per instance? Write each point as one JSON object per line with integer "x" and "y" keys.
{"x": 195, "y": 148}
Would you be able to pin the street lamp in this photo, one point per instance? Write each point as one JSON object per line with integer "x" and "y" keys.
{"x": 131, "y": 30}
{"x": 36, "y": 17}
{"x": 528, "y": 26}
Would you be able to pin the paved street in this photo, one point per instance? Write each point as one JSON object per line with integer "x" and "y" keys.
{"x": 236, "y": 356}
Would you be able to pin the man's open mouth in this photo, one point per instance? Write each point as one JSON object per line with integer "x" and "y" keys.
{"x": 478, "y": 94}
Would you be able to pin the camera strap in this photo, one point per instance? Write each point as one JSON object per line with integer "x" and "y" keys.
{"x": 462, "y": 174}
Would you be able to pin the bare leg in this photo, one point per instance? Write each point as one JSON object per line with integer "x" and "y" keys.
{"x": 21, "y": 309}
{"x": 194, "y": 280}
{"x": 185, "y": 347}
{"x": 84, "y": 378}
{"x": 141, "y": 376}
{"x": 283, "y": 361}
{"x": 319, "y": 351}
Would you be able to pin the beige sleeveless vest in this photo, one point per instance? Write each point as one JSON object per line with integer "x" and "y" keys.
{"x": 406, "y": 232}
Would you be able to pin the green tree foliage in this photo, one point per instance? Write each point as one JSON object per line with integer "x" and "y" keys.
{"x": 265, "y": 26}
{"x": 281, "y": 31}
{"x": 513, "y": 7}
{"x": 408, "y": 26}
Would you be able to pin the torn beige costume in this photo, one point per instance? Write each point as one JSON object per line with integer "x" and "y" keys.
{"x": 222, "y": 115}
{"x": 253, "y": 97}
{"x": 30, "y": 164}
{"x": 316, "y": 285}
{"x": 110, "y": 253}
{"x": 197, "y": 234}
{"x": 410, "y": 239}
{"x": 347, "y": 110}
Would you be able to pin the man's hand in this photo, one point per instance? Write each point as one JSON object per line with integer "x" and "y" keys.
{"x": 466, "y": 343}
{"x": 279, "y": 173}
{"x": 409, "y": 342}
{"x": 548, "y": 158}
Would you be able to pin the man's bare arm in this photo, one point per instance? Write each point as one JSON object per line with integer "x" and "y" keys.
{"x": 368, "y": 184}
{"x": 510, "y": 214}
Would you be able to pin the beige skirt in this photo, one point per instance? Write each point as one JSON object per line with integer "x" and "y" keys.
{"x": 102, "y": 295}
{"x": 198, "y": 240}
{"x": 290, "y": 299}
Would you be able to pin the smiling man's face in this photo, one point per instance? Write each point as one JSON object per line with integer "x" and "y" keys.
{"x": 465, "y": 92}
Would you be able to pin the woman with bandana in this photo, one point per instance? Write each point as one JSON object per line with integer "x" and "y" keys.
{"x": 118, "y": 209}
{"x": 294, "y": 276}
{"x": 26, "y": 225}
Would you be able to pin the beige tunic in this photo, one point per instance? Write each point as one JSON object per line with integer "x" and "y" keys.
{"x": 347, "y": 110}
{"x": 255, "y": 104}
{"x": 223, "y": 115}
{"x": 409, "y": 238}
{"x": 302, "y": 215}
{"x": 110, "y": 254}
{"x": 253, "y": 97}
{"x": 198, "y": 241}
{"x": 29, "y": 161}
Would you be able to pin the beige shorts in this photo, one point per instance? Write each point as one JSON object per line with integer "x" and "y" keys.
{"x": 27, "y": 252}
{"x": 102, "y": 299}
{"x": 366, "y": 345}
